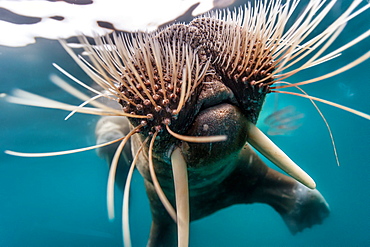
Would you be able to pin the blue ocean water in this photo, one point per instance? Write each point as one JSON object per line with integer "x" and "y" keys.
{"x": 61, "y": 201}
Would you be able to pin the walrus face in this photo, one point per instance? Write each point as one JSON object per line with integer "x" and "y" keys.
{"x": 210, "y": 96}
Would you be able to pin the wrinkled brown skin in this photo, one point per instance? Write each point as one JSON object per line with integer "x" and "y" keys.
{"x": 220, "y": 174}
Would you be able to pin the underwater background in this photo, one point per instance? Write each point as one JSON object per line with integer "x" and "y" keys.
{"x": 61, "y": 201}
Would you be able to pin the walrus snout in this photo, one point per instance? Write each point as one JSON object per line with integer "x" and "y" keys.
{"x": 223, "y": 119}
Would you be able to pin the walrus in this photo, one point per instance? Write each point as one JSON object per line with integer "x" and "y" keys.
{"x": 189, "y": 96}
{"x": 225, "y": 103}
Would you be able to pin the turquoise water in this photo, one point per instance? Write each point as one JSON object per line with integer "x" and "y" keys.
{"x": 61, "y": 201}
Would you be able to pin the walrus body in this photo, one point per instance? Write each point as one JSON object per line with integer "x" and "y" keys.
{"x": 220, "y": 174}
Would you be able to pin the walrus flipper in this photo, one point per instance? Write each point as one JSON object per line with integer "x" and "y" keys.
{"x": 310, "y": 209}
{"x": 299, "y": 206}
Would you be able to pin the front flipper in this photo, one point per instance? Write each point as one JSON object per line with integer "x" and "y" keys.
{"x": 309, "y": 209}
{"x": 299, "y": 206}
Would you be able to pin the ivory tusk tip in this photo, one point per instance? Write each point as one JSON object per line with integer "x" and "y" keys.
{"x": 308, "y": 182}
{"x": 313, "y": 186}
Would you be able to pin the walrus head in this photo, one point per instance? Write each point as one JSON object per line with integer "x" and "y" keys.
{"x": 188, "y": 88}
{"x": 193, "y": 80}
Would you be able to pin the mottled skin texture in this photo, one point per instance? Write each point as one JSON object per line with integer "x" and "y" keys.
{"x": 220, "y": 174}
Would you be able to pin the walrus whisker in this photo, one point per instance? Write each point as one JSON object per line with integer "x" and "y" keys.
{"x": 95, "y": 73}
{"x": 158, "y": 61}
{"x": 320, "y": 61}
{"x": 80, "y": 56}
{"x": 48, "y": 154}
{"x": 105, "y": 80}
{"x": 197, "y": 139}
{"x": 126, "y": 57}
{"x": 81, "y": 46}
{"x": 125, "y": 200}
{"x": 180, "y": 178}
{"x": 22, "y": 97}
{"x": 112, "y": 62}
{"x": 98, "y": 79}
{"x": 182, "y": 93}
{"x": 320, "y": 41}
{"x": 149, "y": 66}
{"x": 315, "y": 41}
{"x": 358, "y": 113}
{"x": 82, "y": 105}
{"x": 267, "y": 148}
{"x": 300, "y": 24}
{"x": 328, "y": 75}
{"x": 327, "y": 57}
{"x": 107, "y": 58}
{"x": 95, "y": 70}
{"x": 189, "y": 64}
{"x": 344, "y": 47}
{"x": 132, "y": 87}
{"x": 117, "y": 74}
{"x": 336, "y": 26}
{"x": 325, "y": 121}
{"x": 171, "y": 211}
{"x": 284, "y": 47}
{"x": 78, "y": 94}
{"x": 113, "y": 169}
{"x": 64, "y": 87}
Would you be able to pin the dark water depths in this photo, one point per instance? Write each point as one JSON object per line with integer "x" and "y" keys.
{"x": 61, "y": 201}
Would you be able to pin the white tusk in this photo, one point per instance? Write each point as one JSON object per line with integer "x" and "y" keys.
{"x": 272, "y": 152}
{"x": 180, "y": 177}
